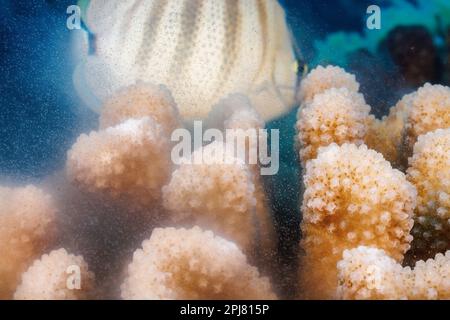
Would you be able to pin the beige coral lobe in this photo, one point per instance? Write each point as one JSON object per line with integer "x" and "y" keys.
{"x": 130, "y": 160}
{"x": 222, "y": 194}
{"x": 56, "y": 276}
{"x": 192, "y": 264}
{"x": 333, "y": 116}
{"x": 353, "y": 197}
{"x": 429, "y": 171}
{"x": 370, "y": 273}
{"x": 322, "y": 78}
{"x": 429, "y": 110}
{"x": 386, "y": 135}
{"x": 27, "y": 226}
{"x": 139, "y": 101}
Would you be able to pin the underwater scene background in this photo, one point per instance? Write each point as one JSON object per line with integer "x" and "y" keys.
{"x": 41, "y": 114}
{"x": 39, "y": 109}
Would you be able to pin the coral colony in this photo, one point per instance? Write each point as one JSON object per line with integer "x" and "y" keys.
{"x": 356, "y": 202}
{"x": 376, "y": 194}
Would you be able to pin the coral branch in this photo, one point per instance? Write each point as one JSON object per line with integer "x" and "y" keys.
{"x": 336, "y": 115}
{"x": 27, "y": 226}
{"x": 429, "y": 171}
{"x": 49, "y": 278}
{"x": 218, "y": 194}
{"x": 130, "y": 160}
{"x": 429, "y": 110}
{"x": 192, "y": 264}
{"x": 369, "y": 273}
{"x": 139, "y": 101}
{"x": 353, "y": 197}
{"x": 323, "y": 78}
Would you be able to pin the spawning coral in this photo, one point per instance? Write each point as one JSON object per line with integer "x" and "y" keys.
{"x": 430, "y": 174}
{"x": 130, "y": 160}
{"x": 27, "y": 226}
{"x": 192, "y": 264}
{"x": 370, "y": 273}
{"x": 335, "y": 115}
{"x": 48, "y": 278}
{"x": 353, "y": 197}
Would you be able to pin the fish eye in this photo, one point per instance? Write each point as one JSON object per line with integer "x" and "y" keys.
{"x": 302, "y": 67}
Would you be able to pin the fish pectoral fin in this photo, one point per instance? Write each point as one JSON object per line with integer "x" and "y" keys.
{"x": 92, "y": 81}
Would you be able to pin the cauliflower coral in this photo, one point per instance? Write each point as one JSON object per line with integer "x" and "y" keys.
{"x": 139, "y": 101}
{"x": 429, "y": 110}
{"x": 130, "y": 160}
{"x": 220, "y": 194}
{"x": 429, "y": 171}
{"x": 370, "y": 273}
{"x": 323, "y": 111}
{"x": 129, "y": 157}
{"x": 323, "y": 78}
{"x": 27, "y": 226}
{"x": 192, "y": 264}
{"x": 50, "y": 278}
{"x": 352, "y": 197}
{"x": 336, "y": 115}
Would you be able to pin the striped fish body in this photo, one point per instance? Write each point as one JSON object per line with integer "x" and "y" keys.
{"x": 202, "y": 50}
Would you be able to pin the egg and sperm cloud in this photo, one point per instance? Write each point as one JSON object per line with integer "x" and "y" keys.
{"x": 201, "y": 50}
